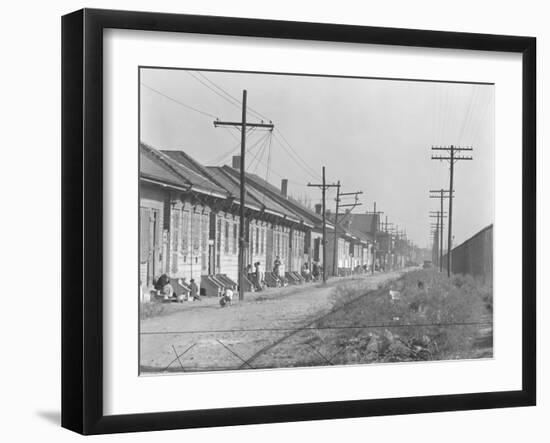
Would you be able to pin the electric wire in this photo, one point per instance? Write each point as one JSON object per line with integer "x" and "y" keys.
{"x": 207, "y": 114}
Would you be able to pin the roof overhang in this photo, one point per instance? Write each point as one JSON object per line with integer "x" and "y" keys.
{"x": 164, "y": 184}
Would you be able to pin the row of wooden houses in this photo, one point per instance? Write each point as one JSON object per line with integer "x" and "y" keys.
{"x": 189, "y": 225}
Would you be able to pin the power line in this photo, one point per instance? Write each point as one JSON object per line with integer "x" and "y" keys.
{"x": 315, "y": 174}
{"x": 218, "y": 87}
{"x": 227, "y": 96}
{"x": 268, "y": 160}
{"x": 259, "y": 153}
{"x": 324, "y": 186}
{"x": 213, "y": 90}
{"x": 207, "y": 114}
{"x": 243, "y": 244}
{"x": 450, "y": 155}
{"x": 220, "y": 159}
{"x": 232, "y": 134}
{"x": 296, "y": 158}
{"x": 468, "y": 115}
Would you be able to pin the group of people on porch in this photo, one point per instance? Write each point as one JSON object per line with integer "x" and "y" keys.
{"x": 189, "y": 291}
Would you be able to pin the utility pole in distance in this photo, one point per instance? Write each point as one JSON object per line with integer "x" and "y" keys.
{"x": 376, "y": 221}
{"x": 242, "y": 235}
{"x": 440, "y": 216}
{"x": 323, "y": 186}
{"x": 437, "y": 235}
{"x": 452, "y": 158}
{"x": 388, "y": 239}
{"x": 335, "y": 252}
{"x": 441, "y": 194}
{"x": 434, "y": 232}
{"x": 338, "y": 207}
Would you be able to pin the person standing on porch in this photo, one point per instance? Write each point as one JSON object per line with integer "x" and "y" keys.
{"x": 259, "y": 279}
{"x": 277, "y": 266}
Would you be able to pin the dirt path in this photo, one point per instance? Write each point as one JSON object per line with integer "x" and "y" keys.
{"x": 267, "y": 330}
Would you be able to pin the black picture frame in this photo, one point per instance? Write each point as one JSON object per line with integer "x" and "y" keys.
{"x": 82, "y": 220}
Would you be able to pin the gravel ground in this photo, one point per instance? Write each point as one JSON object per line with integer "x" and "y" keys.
{"x": 273, "y": 328}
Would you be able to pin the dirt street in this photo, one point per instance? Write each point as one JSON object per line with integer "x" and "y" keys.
{"x": 273, "y": 328}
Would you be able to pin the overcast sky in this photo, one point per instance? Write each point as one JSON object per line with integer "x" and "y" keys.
{"x": 373, "y": 135}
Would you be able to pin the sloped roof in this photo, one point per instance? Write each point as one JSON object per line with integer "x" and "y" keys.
{"x": 151, "y": 168}
{"x": 186, "y": 160}
{"x": 233, "y": 189}
{"x": 158, "y": 166}
{"x": 345, "y": 228}
{"x": 364, "y": 223}
{"x": 178, "y": 168}
{"x": 231, "y": 182}
{"x": 306, "y": 214}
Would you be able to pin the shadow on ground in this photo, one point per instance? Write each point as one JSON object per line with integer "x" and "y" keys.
{"x": 53, "y": 417}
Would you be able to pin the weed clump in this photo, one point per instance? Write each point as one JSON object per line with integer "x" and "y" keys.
{"x": 423, "y": 316}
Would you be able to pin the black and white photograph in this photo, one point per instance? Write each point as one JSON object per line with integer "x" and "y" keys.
{"x": 299, "y": 220}
{"x": 278, "y": 222}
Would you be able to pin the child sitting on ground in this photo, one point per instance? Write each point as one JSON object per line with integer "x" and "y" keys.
{"x": 226, "y": 298}
{"x": 164, "y": 288}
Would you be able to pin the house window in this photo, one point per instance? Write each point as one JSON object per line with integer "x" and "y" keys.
{"x": 196, "y": 234}
{"x": 262, "y": 237}
{"x": 185, "y": 215}
{"x": 218, "y": 243}
{"x": 204, "y": 242}
{"x": 176, "y": 215}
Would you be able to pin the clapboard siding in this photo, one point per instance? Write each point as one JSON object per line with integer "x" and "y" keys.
{"x": 189, "y": 234}
{"x": 152, "y": 199}
{"x": 227, "y": 244}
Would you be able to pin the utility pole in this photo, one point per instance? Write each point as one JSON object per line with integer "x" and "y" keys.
{"x": 436, "y": 239}
{"x": 324, "y": 187}
{"x": 440, "y": 216}
{"x": 441, "y": 194}
{"x": 338, "y": 206}
{"x": 388, "y": 240}
{"x": 335, "y": 247}
{"x": 397, "y": 248}
{"x": 452, "y": 158}
{"x": 243, "y": 244}
{"x": 392, "y": 231}
{"x": 435, "y": 244}
{"x": 376, "y": 220}
{"x": 436, "y": 233}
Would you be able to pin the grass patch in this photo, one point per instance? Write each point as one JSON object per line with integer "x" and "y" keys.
{"x": 430, "y": 317}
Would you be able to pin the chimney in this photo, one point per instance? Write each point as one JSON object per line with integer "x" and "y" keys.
{"x": 284, "y": 187}
{"x": 318, "y": 208}
{"x": 236, "y": 162}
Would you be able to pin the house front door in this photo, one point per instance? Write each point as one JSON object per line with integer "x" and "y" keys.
{"x": 150, "y": 245}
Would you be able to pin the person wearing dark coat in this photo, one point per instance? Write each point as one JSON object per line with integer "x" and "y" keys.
{"x": 194, "y": 290}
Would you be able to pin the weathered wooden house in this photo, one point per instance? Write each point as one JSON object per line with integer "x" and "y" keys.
{"x": 272, "y": 229}
{"x": 189, "y": 224}
{"x": 175, "y": 211}
{"x": 352, "y": 248}
{"x": 299, "y": 240}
